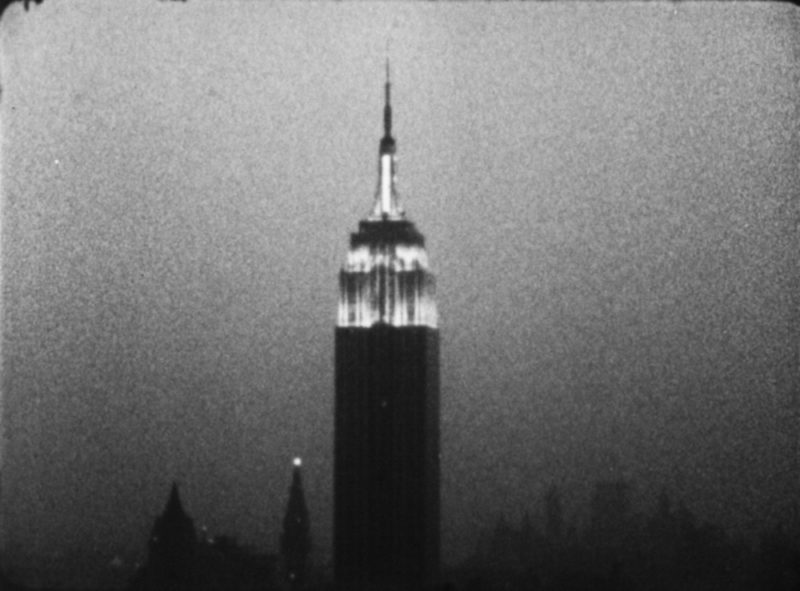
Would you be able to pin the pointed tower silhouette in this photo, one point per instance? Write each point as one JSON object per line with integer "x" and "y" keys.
{"x": 296, "y": 536}
{"x": 173, "y": 542}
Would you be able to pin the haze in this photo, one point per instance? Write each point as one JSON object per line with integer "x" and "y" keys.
{"x": 608, "y": 192}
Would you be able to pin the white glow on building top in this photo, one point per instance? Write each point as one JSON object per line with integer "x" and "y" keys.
{"x": 399, "y": 257}
{"x": 387, "y": 283}
{"x": 385, "y": 278}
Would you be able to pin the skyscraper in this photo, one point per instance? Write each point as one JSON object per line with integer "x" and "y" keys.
{"x": 386, "y": 453}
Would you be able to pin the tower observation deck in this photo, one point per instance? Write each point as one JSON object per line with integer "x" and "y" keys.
{"x": 386, "y": 448}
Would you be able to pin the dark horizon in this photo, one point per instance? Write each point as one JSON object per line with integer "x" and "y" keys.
{"x": 611, "y": 542}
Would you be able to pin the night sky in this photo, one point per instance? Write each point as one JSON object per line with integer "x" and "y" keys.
{"x": 608, "y": 193}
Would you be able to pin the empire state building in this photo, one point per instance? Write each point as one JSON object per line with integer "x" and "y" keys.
{"x": 386, "y": 451}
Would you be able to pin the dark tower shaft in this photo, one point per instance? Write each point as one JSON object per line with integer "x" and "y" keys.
{"x": 296, "y": 536}
{"x": 386, "y": 453}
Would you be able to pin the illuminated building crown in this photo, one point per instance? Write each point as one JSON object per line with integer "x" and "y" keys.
{"x": 385, "y": 279}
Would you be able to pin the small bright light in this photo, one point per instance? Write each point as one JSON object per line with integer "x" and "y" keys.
{"x": 298, "y": 462}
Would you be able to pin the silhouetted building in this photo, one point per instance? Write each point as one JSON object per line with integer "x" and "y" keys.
{"x": 224, "y": 565}
{"x": 178, "y": 561}
{"x": 386, "y": 458}
{"x": 296, "y": 536}
{"x": 173, "y": 543}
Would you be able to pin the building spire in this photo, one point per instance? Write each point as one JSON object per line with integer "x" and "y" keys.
{"x": 387, "y": 107}
{"x": 296, "y": 536}
{"x": 386, "y": 206}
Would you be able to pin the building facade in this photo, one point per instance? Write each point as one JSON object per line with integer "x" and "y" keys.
{"x": 386, "y": 450}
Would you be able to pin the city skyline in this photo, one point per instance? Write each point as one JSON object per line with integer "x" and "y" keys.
{"x": 607, "y": 192}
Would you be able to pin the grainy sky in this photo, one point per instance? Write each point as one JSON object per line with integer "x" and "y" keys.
{"x": 607, "y": 194}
